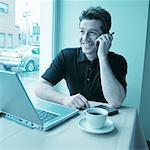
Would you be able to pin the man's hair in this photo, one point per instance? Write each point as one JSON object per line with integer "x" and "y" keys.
{"x": 98, "y": 13}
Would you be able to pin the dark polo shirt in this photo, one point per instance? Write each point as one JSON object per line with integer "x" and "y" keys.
{"x": 83, "y": 76}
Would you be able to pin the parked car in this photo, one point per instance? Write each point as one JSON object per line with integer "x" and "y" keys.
{"x": 24, "y": 58}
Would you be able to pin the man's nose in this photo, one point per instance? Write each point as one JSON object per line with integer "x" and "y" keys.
{"x": 85, "y": 36}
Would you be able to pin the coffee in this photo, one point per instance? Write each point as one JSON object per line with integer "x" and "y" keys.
{"x": 96, "y": 117}
{"x": 95, "y": 113}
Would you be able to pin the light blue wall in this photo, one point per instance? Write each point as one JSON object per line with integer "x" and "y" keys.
{"x": 129, "y": 22}
{"x": 145, "y": 97}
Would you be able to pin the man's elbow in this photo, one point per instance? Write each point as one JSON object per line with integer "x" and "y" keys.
{"x": 117, "y": 102}
{"x": 37, "y": 92}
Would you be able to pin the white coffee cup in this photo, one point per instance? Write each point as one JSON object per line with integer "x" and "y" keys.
{"x": 96, "y": 117}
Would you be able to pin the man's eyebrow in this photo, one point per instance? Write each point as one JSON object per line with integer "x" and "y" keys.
{"x": 89, "y": 29}
{"x": 93, "y": 30}
{"x": 81, "y": 28}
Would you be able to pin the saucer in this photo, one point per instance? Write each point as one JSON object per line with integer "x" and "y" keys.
{"x": 108, "y": 127}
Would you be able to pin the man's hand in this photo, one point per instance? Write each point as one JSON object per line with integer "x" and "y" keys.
{"x": 103, "y": 43}
{"x": 76, "y": 101}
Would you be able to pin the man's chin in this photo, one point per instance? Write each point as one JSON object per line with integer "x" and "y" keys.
{"x": 87, "y": 50}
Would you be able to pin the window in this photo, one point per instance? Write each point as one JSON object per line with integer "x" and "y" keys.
{"x": 37, "y": 38}
{"x": 10, "y": 41}
{"x": 30, "y": 22}
{"x": 3, "y": 7}
{"x": 2, "y": 40}
{"x": 36, "y": 51}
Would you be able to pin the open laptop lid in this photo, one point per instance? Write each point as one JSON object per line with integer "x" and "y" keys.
{"x": 14, "y": 99}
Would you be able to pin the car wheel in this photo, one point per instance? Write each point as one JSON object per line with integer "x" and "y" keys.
{"x": 2, "y": 67}
{"x": 30, "y": 66}
{"x": 7, "y": 68}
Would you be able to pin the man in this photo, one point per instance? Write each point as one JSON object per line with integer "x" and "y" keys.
{"x": 92, "y": 72}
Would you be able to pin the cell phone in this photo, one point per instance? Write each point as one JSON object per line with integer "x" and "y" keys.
{"x": 111, "y": 111}
{"x": 97, "y": 44}
{"x": 112, "y": 33}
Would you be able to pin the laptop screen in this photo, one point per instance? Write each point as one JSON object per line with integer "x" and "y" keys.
{"x": 14, "y": 99}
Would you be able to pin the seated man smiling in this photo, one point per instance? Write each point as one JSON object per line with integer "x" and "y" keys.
{"x": 92, "y": 72}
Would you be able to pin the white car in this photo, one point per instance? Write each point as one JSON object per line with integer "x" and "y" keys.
{"x": 24, "y": 58}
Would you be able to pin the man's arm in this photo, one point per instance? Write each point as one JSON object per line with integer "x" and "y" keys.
{"x": 45, "y": 90}
{"x": 113, "y": 91}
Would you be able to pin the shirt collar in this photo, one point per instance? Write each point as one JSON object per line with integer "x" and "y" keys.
{"x": 82, "y": 57}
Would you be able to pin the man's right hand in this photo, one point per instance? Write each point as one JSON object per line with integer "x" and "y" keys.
{"x": 76, "y": 101}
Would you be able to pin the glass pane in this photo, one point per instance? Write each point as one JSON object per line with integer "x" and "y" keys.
{"x": 3, "y": 7}
{"x": 20, "y": 37}
{"x": 2, "y": 40}
{"x": 28, "y": 20}
{"x": 10, "y": 41}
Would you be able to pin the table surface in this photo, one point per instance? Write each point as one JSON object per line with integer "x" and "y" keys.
{"x": 68, "y": 136}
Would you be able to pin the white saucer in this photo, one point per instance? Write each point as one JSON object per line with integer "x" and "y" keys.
{"x": 108, "y": 127}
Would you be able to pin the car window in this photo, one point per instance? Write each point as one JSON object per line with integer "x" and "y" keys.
{"x": 36, "y": 51}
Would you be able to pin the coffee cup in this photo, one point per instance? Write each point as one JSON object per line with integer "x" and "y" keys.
{"x": 96, "y": 117}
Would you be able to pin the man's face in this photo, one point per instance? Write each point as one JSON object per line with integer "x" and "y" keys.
{"x": 90, "y": 30}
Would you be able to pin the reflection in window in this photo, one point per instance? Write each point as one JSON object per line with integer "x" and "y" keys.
{"x": 2, "y": 40}
{"x": 10, "y": 40}
{"x": 3, "y": 7}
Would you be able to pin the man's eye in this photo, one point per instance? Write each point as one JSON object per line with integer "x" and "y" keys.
{"x": 81, "y": 31}
{"x": 93, "y": 33}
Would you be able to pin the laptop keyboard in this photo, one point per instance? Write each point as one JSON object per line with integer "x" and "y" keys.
{"x": 45, "y": 116}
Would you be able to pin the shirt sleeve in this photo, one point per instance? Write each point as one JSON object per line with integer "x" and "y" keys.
{"x": 56, "y": 71}
{"x": 121, "y": 71}
{"x": 119, "y": 68}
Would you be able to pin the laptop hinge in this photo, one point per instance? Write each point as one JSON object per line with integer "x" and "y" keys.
{"x": 2, "y": 114}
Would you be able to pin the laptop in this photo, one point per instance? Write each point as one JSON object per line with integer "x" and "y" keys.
{"x": 15, "y": 104}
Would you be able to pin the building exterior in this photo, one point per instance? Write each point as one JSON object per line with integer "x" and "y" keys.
{"x": 35, "y": 34}
{"x": 9, "y": 32}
